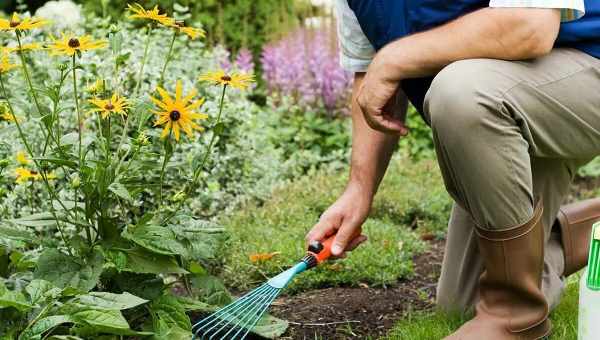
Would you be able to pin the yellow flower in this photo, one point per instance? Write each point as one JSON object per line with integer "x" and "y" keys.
{"x": 153, "y": 14}
{"x": 5, "y": 113}
{"x": 23, "y": 175}
{"x": 24, "y": 48}
{"x": 70, "y": 44}
{"x": 5, "y": 64}
{"x": 114, "y": 105}
{"x": 22, "y": 158}
{"x": 238, "y": 80}
{"x": 177, "y": 114}
{"x": 96, "y": 87}
{"x": 15, "y": 23}
{"x": 191, "y": 32}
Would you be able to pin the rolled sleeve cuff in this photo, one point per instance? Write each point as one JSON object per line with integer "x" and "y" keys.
{"x": 570, "y": 9}
{"x": 354, "y": 64}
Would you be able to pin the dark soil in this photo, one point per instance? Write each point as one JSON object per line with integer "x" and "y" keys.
{"x": 356, "y": 313}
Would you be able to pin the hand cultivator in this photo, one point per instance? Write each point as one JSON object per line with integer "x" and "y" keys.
{"x": 237, "y": 319}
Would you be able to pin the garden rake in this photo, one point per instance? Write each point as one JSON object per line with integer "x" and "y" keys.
{"x": 237, "y": 319}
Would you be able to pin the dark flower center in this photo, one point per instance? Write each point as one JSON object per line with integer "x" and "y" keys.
{"x": 175, "y": 115}
{"x": 226, "y": 78}
{"x": 33, "y": 172}
{"x": 109, "y": 107}
{"x": 14, "y": 23}
{"x": 74, "y": 43}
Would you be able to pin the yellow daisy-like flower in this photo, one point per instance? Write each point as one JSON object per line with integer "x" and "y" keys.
{"x": 5, "y": 114}
{"x": 106, "y": 107}
{"x": 5, "y": 64}
{"x": 22, "y": 158}
{"x": 178, "y": 113}
{"x": 191, "y": 32}
{"x": 24, "y": 175}
{"x": 69, "y": 44}
{"x": 153, "y": 14}
{"x": 24, "y": 48}
{"x": 238, "y": 80}
{"x": 15, "y": 23}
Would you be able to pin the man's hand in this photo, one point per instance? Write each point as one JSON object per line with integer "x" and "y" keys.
{"x": 344, "y": 218}
{"x": 377, "y": 98}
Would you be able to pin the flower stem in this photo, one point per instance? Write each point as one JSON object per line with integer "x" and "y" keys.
{"x": 31, "y": 196}
{"x": 37, "y": 165}
{"x": 168, "y": 59}
{"x": 144, "y": 58}
{"x": 28, "y": 77}
{"x": 198, "y": 170}
{"x": 162, "y": 170}
{"x": 79, "y": 128}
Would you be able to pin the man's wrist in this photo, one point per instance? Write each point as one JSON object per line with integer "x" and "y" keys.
{"x": 358, "y": 187}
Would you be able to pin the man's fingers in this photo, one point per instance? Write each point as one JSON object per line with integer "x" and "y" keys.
{"x": 322, "y": 229}
{"x": 356, "y": 242}
{"x": 344, "y": 236}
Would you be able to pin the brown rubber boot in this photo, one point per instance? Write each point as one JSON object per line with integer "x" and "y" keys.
{"x": 511, "y": 304}
{"x": 576, "y": 222}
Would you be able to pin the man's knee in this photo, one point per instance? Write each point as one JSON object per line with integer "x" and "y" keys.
{"x": 462, "y": 97}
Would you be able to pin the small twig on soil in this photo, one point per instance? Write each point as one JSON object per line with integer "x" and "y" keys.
{"x": 323, "y": 324}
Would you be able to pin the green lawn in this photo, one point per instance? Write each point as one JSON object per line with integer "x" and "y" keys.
{"x": 411, "y": 197}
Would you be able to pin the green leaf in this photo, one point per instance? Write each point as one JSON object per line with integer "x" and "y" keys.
{"x": 157, "y": 239}
{"x": 16, "y": 234}
{"x": 103, "y": 321}
{"x": 270, "y": 327}
{"x": 38, "y": 290}
{"x": 142, "y": 261}
{"x": 64, "y": 270}
{"x": 168, "y": 310}
{"x": 71, "y": 138}
{"x": 10, "y": 298}
{"x": 120, "y": 190}
{"x": 219, "y": 128}
{"x": 147, "y": 286}
{"x": 190, "y": 304}
{"x": 109, "y": 301}
{"x": 59, "y": 161}
{"x": 36, "y": 220}
{"x": 43, "y": 325}
{"x": 65, "y": 337}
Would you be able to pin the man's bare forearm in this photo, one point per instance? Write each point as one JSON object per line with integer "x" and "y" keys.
{"x": 497, "y": 33}
{"x": 371, "y": 149}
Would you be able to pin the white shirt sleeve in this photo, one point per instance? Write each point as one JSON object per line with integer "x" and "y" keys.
{"x": 356, "y": 51}
{"x": 571, "y": 9}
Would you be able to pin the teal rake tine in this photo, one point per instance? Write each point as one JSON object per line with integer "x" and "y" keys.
{"x": 248, "y": 307}
{"x": 209, "y": 320}
{"x": 255, "y": 312}
{"x": 258, "y": 317}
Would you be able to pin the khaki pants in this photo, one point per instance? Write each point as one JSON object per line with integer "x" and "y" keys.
{"x": 508, "y": 133}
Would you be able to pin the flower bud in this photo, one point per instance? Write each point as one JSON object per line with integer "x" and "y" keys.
{"x": 75, "y": 182}
{"x": 178, "y": 197}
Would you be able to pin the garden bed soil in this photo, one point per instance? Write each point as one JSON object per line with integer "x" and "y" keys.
{"x": 358, "y": 313}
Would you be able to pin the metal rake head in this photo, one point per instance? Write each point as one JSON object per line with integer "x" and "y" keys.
{"x": 237, "y": 319}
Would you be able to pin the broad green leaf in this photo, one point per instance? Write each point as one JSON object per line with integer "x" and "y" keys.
{"x": 120, "y": 190}
{"x": 270, "y": 327}
{"x": 16, "y": 234}
{"x": 143, "y": 261}
{"x": 168, "y": 309}
{"x": 109, "y": 301}
{"x": 171, "y": 333}
{"x": 43, "y": 325}
{"x": 104, "y": 321}
{"x": 10, "y": 298}
{"x": 69, "y": 139}
{"x": 63, "y": 270}
{"x": 65, "y": 337}
{"x": 157, "y": 239}
{"x": 194, "y": 305}
{"x": 147, "y": 286}
{"x": 36, "y": 220}
{"x": 38, "y": 290}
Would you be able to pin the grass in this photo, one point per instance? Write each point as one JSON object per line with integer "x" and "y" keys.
{"x": 436, "y": 325}
{"x": 411, "y": 202}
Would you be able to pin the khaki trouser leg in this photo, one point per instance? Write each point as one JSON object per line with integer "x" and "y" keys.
{"x": 462, "y": 266}
{"x": 507, "y": 133}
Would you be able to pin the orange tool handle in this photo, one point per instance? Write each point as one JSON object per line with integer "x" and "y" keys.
{"x": 322, "y": 250}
